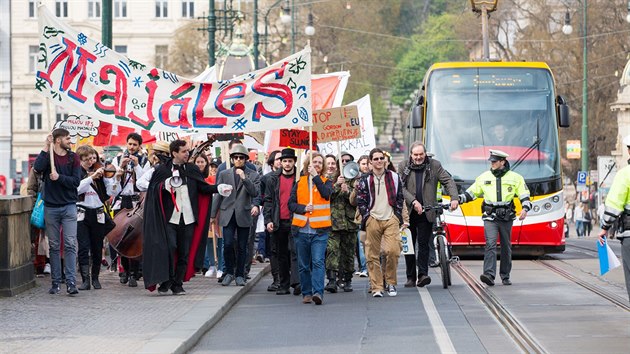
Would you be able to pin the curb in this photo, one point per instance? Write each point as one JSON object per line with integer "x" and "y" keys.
{"x": 184, "y": 333}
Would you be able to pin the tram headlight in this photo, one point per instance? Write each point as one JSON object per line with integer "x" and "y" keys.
{"x": 536, "y": 208}
{"x": 547, "y": 206}
{"x": 553, "y": 224}
{"x": 555, "y": 198}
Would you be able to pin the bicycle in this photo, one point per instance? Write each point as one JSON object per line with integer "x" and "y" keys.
{"x": 442, "y": 247}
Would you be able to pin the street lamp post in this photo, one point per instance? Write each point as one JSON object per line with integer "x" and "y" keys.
{"x": 285, "y": 18}
{"x": 567, "y": 29}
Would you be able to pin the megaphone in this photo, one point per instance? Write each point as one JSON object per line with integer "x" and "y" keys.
{"x": 176, "y": 181}
{"x": 351, "y": 170}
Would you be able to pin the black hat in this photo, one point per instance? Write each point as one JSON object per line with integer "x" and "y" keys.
{"x": 288, "y": 153}
{"x": 497, "y": 155}
{"x": 215, "y": 161}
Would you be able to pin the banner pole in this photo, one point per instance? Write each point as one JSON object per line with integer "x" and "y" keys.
{"x": 310, "y": 161}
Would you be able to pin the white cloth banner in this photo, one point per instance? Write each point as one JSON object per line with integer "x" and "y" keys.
{"x": 84, "y": 76}
{"x": 359, "y": 146}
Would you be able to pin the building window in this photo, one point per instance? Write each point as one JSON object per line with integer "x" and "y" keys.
{"x": 161, "y": 8}
{"x": 120, "y": 8}
{"x": 35, "y": 116}
{"x": 61, "y": 8}
{"x": 188, "y": 8}
{"x": 32, "y": 9}
{"x": 61, "y": 114}
{"x": 121, "y": 49}
{"x": 94, "y": 8}
{"x": 33, "y": 53}
{"x": 161, "y": 56}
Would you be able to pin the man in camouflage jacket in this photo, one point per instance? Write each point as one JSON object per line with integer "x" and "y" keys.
{"x": 342, "y": 241}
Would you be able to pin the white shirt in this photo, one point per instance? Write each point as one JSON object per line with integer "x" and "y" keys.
{"x": 91, "y": 200}
{"x": 139, "y": 170}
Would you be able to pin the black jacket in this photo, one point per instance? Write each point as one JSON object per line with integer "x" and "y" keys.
{"x": 271, "y": 209}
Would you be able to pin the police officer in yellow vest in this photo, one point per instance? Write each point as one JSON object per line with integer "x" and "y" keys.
{"x": 618, "y": 206}
{"x": 498, "y": 187}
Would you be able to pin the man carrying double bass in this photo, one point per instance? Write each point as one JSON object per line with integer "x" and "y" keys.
{"x": 132, "y": 164}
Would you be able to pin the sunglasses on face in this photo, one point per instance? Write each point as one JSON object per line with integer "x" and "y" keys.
{"x": 238, "y": 157}
{"x": 378, "y": 158}
{"x": 345, "y": 160}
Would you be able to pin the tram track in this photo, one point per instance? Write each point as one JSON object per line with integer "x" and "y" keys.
{"x": 517, "y": 331}
{"x": 617, "y": 300}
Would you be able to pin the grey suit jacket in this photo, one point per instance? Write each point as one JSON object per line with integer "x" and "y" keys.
{"x": 240, "y": 202}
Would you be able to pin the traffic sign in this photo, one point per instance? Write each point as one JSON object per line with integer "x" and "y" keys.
{"x": 581, "y": 181}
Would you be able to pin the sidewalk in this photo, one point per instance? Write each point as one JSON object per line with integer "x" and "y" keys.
{"x": 116, "y": 318}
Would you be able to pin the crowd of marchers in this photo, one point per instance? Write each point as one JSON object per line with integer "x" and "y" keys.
{"x": 311, "y": 219}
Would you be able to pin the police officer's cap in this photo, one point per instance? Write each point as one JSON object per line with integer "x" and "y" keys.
{"x": 497, "y": 155}
{"x": 626, "y": 141}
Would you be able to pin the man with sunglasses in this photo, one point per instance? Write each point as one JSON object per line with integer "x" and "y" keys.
{"x": 380, "y": 201}
{"x": 237, "y": 213}
{"x": 498, "y": 187}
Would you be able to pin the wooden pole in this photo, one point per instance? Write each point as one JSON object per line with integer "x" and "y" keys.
{"x": 52, "y": 157}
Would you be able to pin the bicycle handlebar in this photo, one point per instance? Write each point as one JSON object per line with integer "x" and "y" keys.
{"x": 437, "y": 207}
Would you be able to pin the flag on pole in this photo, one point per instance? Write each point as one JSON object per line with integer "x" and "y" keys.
{"x": 607, "y": 258}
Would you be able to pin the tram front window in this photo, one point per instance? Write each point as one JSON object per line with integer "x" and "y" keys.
{"x": 466, "y": 118}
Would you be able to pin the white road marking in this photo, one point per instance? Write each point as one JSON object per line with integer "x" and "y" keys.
{"x": 439, "y": 331}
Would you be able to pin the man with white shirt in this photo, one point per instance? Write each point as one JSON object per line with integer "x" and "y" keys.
{"x": 171, "y": 215}
{"x": 133, "y": 165}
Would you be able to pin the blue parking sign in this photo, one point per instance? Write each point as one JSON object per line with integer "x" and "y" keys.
{"x": 581, "y": 177}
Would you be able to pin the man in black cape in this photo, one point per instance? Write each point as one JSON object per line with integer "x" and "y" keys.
{"x": 160, "y": 251}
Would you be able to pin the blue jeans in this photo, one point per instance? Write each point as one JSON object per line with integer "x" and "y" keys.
{"x": 57, "y": 220}
{"x": 311, "y": 254}
{"x": 208, "y": 260}
{"x": 361, "y": 254}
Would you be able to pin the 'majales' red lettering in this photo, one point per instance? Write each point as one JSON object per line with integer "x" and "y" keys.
{"x": 118, "y": 97}
{"x": 177, "y": 100}
{"x": 237, "y": 109}
{"x": 70, "y": 70}
{"x": 275, "y": 90}
{"x": 199, "y": 120}
{"x": 150, "y": 88}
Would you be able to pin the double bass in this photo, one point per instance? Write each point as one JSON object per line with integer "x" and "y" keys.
{"x": 126, "y": 237}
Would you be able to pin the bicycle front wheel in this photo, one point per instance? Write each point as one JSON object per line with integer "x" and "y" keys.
{"x": 444, "y": 263}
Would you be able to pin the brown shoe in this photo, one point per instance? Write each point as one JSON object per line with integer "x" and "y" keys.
{"x": 317, "y": 299}
{"x": 307, "y": 299}
{"x": 411, "y": 283}
{"x": 423, "y": 280}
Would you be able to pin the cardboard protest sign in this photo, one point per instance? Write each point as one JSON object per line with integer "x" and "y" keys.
{"x": 361, "y": 145}
{"x": 84, "y": 76}
{"x": 296, "y": 138}
{"x": 335, "y": 124}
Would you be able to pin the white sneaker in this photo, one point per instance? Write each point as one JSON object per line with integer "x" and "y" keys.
{"x": 363, "y": 274}
{"x": 377, "y": 294}
{"x": 219, "y": 273}
{"x": 47, "y": 268}
{"x": 358, "y": 272}
{"x": 391, "y": 290}
{"x": 210, "y": 273}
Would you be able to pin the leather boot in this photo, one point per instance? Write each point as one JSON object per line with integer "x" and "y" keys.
{"x": 332, "y": 282}
{"x": 85, "y": 276}
{"x": 348, "y": 281}
{"x": 124, "y": 277}
{"x": 95, "y": 283}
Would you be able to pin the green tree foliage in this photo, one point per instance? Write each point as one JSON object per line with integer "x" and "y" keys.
{"x": 437, "y": 42}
